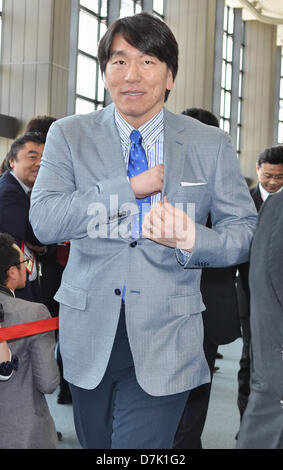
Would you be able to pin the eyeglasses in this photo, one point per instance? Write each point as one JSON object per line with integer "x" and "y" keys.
{"x": 274, "y": 177}
{"x": 26, "y": 261}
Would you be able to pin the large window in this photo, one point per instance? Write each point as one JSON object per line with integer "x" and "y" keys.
{"x": 280, "y": 117}
{"x": 227, "y": 67}
{"x": 229, "y": 70}
{"x": 240, "y": 99}
{"x": 92, "y": 26}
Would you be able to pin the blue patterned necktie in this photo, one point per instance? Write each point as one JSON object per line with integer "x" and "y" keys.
{"x": 138, "y": 164}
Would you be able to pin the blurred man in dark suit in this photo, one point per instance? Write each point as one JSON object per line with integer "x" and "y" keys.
{"x": 269, "y": 169}
{"x": 22, "y": 163}
{"x": 262, "y": 423}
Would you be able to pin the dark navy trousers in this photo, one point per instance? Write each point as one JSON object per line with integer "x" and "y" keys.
{"x": 118, "y": 414}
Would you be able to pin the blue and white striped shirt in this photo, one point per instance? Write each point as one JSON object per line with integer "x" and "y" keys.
{"x": 152, "y": 133}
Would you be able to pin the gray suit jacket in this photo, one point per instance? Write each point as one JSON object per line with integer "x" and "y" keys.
{"x": 81, "y": 188}
{"x": 262, "y": 425}
{"x": 25, "y": 421}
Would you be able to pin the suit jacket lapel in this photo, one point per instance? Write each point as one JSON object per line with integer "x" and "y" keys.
{"x": 174, "y": 154}
{"x": 107, "y": 141}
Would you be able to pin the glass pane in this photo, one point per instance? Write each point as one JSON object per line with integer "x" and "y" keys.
{"x": 280, "y": 133}
{"x": 238, "y": 140}
{"x": 240, "y": 84}
{"x": 83, "y": 106}
{"x": 223, "y": 78}
{"x": 158, "y": 6}
{"x": 281, "y": 111}
{"x": 86, "y": 77}
{"x": 92, "y": 5}
{"x": 225, "y": 21}
{"x": 229, "y": 49}
{"x": 127, "y": 8}
{"x": 101, "y": 89}
{"x": 1, "y": 7}
{"x": 88, "y": 33}
{"x": 226, "y": 126}
{"x": 231, "y": 21}
{"x": 222, "y": 103}
{"x": 239, "y": 110}
{"x": 224, "y": 49}
{"x": 103, "y": 29}
{"x": 228, "y": 77}
{"x": 241, "y": 64}
{"x": 138, "y": 8}
{"x": 227, "y": 112}
{"x": 281, "y": 88}
{"x": 103, "y": 8}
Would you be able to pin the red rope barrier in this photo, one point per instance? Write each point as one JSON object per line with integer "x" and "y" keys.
{"x": 28, "y": 329}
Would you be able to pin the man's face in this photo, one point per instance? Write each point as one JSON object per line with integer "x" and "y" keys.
{"x": 136, "y": 82}
{"x": 270, "y": 176}
{"x": 26, "y": 166}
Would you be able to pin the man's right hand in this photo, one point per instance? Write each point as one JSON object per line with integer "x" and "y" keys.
{"x": 149, "y": 182}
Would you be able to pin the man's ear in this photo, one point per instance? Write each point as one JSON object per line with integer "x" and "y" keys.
{"x": 12, "y": 273}
{"x": 12, "y": 162}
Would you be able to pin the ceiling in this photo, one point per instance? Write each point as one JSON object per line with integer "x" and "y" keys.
{"x": 264, "y": 10}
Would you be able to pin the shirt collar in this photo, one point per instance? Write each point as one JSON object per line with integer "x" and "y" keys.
{"x": 149, "y": 131}
{"x": 7, "y": 291}
{"x": 24, "y": 186}
{"x": 264, "y": 194}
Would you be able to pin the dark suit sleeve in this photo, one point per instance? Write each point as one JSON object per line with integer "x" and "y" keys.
{"x": 275, "y": 262}
{"x": 14, "y": 216}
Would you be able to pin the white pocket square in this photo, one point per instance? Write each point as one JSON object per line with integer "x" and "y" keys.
{"x": 186, "y": 183}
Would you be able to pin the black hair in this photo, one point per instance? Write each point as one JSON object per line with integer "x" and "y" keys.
{"x": 9, "y": 256}
{"x": 19, "y": 142}
{"x": 40, "y": 124}
{"x": 272, "y": 155}
{"x": 148, "y": 34}
{"x": 202, "y": 115}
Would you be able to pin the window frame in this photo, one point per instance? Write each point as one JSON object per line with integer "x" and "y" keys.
{"x": 95, "y": 101}
{"x": 231, "y": 123}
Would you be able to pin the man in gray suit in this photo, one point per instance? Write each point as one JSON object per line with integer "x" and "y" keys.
{"x": 262, "y": 423}
{"x": 131, "y": 328}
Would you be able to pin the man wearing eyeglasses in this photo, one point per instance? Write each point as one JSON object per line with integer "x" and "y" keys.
{"x": 22, "y": 165}
{"x": 269, "y": 169}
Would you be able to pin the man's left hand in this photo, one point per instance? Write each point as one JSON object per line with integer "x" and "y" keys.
{"x": 169, "y": 226}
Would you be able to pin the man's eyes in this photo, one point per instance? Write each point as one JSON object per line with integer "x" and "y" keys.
{"x": 123, "y": 62}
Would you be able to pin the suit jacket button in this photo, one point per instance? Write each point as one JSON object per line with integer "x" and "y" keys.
{"x": 133, "y": 244}
{"x": 117, "y": 292}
